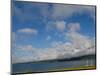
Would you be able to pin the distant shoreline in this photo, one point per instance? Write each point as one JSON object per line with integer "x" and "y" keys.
{"x": 59, "y": 60}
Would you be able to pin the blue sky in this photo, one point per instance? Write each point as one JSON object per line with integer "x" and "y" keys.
{"x": 42, "y": 25}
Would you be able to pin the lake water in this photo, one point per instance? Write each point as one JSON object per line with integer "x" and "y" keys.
{"x": 45, "y": 66}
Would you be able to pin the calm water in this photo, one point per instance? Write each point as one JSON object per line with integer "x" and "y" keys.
{"x": 45, "y": 66}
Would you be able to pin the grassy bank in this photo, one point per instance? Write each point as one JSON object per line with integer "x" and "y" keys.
{"x": 75, "y": 68}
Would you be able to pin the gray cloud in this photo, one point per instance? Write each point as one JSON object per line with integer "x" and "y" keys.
{"x": 66, "y": 11}
{"x": 79, "y": 45}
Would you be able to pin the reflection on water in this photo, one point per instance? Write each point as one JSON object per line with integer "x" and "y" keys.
{"x": 45, "y": 66}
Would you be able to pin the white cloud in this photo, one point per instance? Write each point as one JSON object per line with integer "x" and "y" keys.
{"x": 79, "y": 45}
{"x": 46, "y": 54}
{"x": 29, "y": 53}
{"x": 28, "y": 31}
{"x": 23, "y": 34}
{"x": 79, "y": 39}
{"x": 25, "y": 47}
{"x": 58, "y": 25}
{"x": 81, "y": 42}
{"x": 16, "y": 59}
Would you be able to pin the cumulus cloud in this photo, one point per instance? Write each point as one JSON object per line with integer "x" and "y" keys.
{"x": 74, "y": 48}
{"x": 79, "y": 40}
{"x": 58, "y": 25}
{"x": 82, "y": 44}
{"x": 28, "y": 31}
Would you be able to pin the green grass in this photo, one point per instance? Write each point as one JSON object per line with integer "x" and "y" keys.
{"x": 75, "y": 68}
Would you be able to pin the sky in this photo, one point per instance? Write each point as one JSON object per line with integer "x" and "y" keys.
{"x": 44, "y": 31}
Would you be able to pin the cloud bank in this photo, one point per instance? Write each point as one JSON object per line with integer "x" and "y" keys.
{"x": 60, "y": 11}
{"x": 78, "y": 45}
